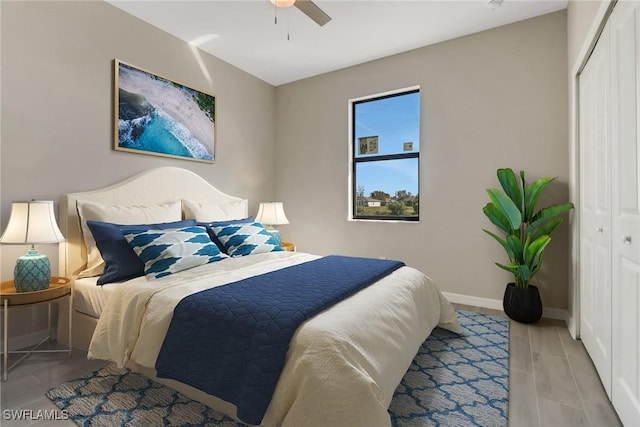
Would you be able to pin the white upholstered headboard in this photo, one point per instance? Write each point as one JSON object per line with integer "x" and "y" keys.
{"x": 155, "y": 186}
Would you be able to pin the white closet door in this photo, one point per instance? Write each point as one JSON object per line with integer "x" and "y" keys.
{"x": 625, "y": 45}
{"x": 595, "y": 210}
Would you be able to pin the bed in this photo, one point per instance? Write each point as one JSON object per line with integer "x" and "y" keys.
{"x": 342, "y": 365}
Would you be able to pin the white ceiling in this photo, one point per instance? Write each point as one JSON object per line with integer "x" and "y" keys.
{"x": 243, "y": 32}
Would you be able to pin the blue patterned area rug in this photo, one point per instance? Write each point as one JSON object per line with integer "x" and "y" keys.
{"x": 457, "y": 380}
{"x": 454, "y": 380}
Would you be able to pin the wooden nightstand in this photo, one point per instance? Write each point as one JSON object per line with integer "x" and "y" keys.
{"x": 288, "y": 246}
{"x": 59, "y": 289}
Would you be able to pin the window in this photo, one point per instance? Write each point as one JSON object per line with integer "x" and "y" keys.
{"x": 385, "y": 133}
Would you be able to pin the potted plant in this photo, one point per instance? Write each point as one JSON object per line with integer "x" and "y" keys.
{"x": 527, "y": 234}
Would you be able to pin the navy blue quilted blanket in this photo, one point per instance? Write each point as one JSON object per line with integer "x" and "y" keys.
{"x": 231, "y": 341}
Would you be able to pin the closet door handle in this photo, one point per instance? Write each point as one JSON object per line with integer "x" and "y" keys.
{"x": 626, "y": 239}
{"x": 599, "y": 229}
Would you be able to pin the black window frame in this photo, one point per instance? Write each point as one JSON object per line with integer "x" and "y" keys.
{"x": 356, "y": 160}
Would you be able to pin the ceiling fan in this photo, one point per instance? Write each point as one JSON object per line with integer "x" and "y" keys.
{"x": 307, "y": 7}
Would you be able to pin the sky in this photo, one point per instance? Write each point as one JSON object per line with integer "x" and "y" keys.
{"x": 395, "y": 121}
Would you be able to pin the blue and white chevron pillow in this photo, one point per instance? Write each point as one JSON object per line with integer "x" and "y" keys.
{"x": 164, "y": 252}
{"x": 245, "y": 239}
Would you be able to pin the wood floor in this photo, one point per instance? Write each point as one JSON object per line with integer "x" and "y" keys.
{"x": 552, "y": 382}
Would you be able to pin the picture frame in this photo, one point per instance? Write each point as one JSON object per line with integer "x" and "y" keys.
{"x": 158, "y": 116}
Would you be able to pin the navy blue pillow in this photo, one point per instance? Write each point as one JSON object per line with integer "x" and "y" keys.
{"x": 121, "y": 262}
{"x": 213, "y": 236}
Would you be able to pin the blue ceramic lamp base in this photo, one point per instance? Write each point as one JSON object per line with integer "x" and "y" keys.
{"x": 275, "y": 234}
{"x": 32, "y": 272}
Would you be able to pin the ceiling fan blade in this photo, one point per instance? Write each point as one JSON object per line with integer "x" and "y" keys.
{"x": 310, "y": 9}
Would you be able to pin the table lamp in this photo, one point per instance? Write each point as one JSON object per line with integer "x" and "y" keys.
{"x": 32, "y": 223}
{"x": 270, "y": 214}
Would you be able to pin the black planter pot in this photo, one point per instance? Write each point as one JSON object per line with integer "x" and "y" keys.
{"x": 522, "y": 305}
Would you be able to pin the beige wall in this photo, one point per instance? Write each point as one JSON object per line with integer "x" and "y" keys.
{"x": 57, "y": 86}
{"x": 489, "y": 100}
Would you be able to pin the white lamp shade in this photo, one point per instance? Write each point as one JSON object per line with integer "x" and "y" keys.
{"x": 32, "y": 222}
{"x": 271, "y": 213}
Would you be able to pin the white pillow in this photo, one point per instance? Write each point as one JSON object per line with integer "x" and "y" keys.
{"x": 208, "y": 212}
{"x": 123, "y": 215}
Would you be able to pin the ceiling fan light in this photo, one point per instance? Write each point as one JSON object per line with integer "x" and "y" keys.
{"x": 283, "y": 3}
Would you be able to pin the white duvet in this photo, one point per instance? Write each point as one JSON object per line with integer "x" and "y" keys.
{"x": 343, "y": 365}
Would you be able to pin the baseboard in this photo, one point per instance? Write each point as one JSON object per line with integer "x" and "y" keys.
{"x": 474, "y": 301}
{"x": 555, "y": 313}
{"x": 494, "y": 304}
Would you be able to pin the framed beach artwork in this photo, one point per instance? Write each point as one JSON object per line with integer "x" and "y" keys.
{"x": 154, "y": 115}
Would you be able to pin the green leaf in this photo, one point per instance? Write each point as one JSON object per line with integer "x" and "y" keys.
{"x": 549, "y": 212}
{"x": 502, "y": 242}
{"x": 537, "y": 267}
{"x": 537, "y": 258}
{"x": 533, "y": 251}
{"x": 510, "y": 186}
{"x": 497, "y": 217}
{"x": 527, "y": 253}
{"x": 547, "y": 228}
{"x": 523, "y": 207}
{"x": 510, "y": 268}
{"x": 524, "y": 273}
{"x": 521, "y": 273}
{"x": 504, "y": 204}
{"x": 532, "y": 193}
{"x": 516, "y": 247}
